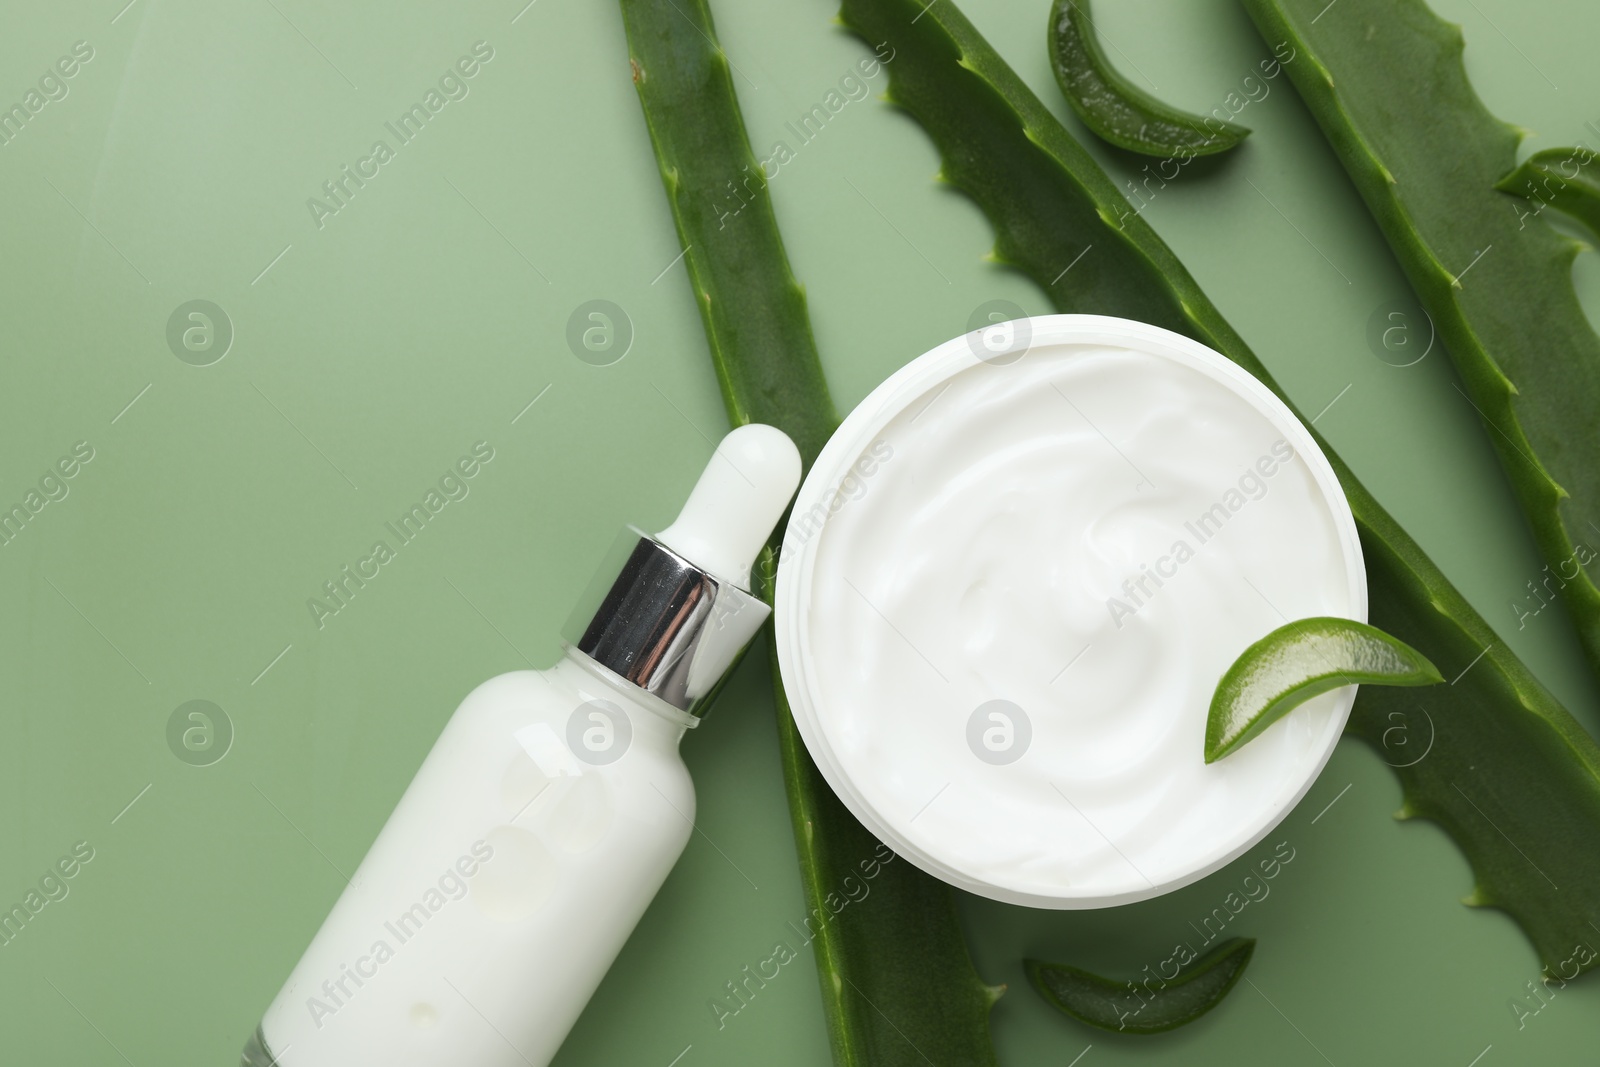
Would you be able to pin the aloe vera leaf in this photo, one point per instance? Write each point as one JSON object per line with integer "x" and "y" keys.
{"x": 1137, "y": 1007}
{"x": 753, "y": 309}
{"x": 1298, "y": 661}
{"x": 898, "y": 987}
{"x": 1563, "y": 178}
{"x": 1118, "y": 111}
{"x": 1385, "y": 81}
{"x": 1506, "y": 771}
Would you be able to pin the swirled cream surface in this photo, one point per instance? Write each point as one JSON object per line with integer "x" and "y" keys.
{"x": 1009, "y": 588}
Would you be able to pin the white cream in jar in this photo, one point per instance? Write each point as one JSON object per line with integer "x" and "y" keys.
{"x": 1010, "y": 584}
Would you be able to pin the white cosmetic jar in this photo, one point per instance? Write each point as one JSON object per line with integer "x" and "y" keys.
{"x": 1010, "y": 584}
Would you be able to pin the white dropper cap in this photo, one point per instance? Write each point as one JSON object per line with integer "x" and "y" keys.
{"x": 737, "y": 501}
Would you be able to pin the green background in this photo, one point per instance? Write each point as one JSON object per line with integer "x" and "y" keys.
{"x": 370, "y": 353}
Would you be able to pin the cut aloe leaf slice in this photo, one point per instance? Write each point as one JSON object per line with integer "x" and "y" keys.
{"x": 1118, "y": 111}
{"x": 1296, "y": 662}
{"x": 1146, "y": 1005}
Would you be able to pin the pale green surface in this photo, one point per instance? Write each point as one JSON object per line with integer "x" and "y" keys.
{"x": 408, "y": 329}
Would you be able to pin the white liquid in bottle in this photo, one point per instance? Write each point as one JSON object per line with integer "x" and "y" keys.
{"x": 547, "y": 815}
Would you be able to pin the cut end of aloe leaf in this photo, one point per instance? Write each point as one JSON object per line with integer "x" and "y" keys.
{"x": 1301, "y": 660}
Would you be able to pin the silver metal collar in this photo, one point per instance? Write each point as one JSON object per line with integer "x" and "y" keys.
{"x": 662, "y": 623}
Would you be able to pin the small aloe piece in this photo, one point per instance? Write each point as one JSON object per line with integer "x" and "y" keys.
{"x": 1117, "y": 110}
{"x": 1135, "y": 1007}
{"x": 897, "y": 984}
{"x": 1562, "y": 178}
{"x": 1298, "y": 661}
{"x": 1384, "y": 80}
{"x": 1510, "y": 764}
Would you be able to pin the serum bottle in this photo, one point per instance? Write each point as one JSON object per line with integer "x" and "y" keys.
{"x": 548, "y": 813}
